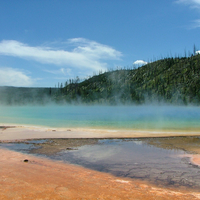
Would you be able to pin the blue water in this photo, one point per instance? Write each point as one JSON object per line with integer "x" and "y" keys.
{"x": 105, "y": 117}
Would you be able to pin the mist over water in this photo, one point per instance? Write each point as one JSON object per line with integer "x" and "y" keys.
{"x": 105, "y": 117}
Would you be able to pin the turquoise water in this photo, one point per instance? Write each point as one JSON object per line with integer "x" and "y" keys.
{"x": 108, "y": 117}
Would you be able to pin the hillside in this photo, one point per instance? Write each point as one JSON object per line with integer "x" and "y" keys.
{"x": 173, "y": 80}
{"x": 170, "y": 80}
{"x": 24, "y": 95}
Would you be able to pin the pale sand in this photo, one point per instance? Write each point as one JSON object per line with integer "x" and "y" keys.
{"x": 41, "y": 178}
{"x": 194, "y": 158}
{"x": 33, "y": 132}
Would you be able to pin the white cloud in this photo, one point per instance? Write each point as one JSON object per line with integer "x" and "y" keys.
{"x": 196, "y": 24}
{"x": 192, "y": 3}
{"x": 14, "y": 77}
{"x": 94, "y": 49}
{"x": 86, "y": 54}
{"x": 197, "y": 52}
{"x": 140, "y": 62}
{"x": 61, "y": 71}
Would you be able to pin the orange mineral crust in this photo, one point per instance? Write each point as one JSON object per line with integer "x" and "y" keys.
{"x": 40, "y": 178}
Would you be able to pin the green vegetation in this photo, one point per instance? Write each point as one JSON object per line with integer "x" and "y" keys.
{"x": 22, "y": 95}
{"x": 170, "y": 80}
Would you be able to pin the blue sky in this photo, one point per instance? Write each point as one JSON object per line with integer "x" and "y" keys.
{"x": 43, "y": 42}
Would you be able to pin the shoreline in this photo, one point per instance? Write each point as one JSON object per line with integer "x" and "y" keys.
{"x": 17, "y": 133}
{"x": 41, "y": 178}
{"x": 98, "y": 185}
{"x": 9, "y": 132}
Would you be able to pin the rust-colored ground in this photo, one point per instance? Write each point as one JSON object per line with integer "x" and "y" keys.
{"x": 45, "y": 179}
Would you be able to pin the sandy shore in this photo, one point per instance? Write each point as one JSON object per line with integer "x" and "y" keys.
{"x": 16, "y": 132}
{"x": 40, "y": 178}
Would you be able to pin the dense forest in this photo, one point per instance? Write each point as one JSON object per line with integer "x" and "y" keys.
{"x": 169, "y": 80}
{"x": 172, "y": 80}
{"x": 23, "y": 95}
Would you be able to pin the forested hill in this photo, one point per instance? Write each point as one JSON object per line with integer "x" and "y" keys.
{"x": 170, "y": 80}
{"x": 173, "y": 80}
{"x": 25, "y": 95}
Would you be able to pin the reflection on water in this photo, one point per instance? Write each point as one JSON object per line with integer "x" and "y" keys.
{"x": 133, "y": 158}
{"x": 109, "y": 117}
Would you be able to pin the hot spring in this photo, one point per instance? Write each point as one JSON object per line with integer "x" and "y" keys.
{"x": 173, "y": 118}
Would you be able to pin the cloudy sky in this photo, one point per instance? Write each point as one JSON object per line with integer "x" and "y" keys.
{"x": 43, "y": 42}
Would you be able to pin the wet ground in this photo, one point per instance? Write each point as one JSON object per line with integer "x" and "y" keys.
{"x": 187, "y": 144}
{"x": 161, "y": 161}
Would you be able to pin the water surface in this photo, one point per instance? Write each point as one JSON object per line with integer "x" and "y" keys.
{"x": 105, "y": 117}
{"x": 130, "y": 158}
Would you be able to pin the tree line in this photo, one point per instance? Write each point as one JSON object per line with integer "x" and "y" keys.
{"x": 172, "y": 80}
